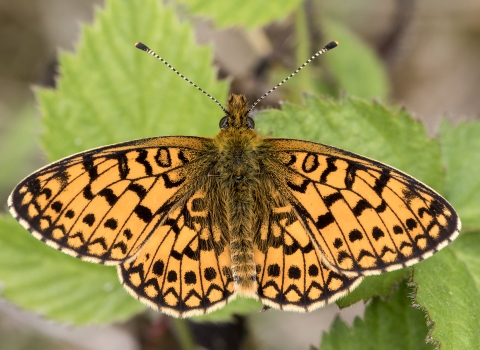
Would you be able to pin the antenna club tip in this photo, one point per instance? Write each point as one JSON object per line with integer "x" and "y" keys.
{"x": 332, "y": 45}
{"x": 141, "y": 46}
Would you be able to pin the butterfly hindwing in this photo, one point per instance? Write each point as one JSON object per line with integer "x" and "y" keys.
{"x": 290, "y": 273}
{"x": 102, "y": 205}
{"x": 364, "y": 216}
{"x": 185, "y": 268}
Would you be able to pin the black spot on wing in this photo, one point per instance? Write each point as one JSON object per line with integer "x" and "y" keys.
{"x": 397, "y": 230}
{"x": 140, "y": 191}
{"x": 360, "y": 207}
{"x": 209, "y": 273}
{"x": 89, "y": 219}
{"x": 111, "y": 224}
{"x": 294, "y": 272}
{"x": 324, "y": 220}
{"x": 355, "y": 235}
{"x": 109, "y": 196}
{"x": 332, "y": 198}
{"x": 377, "y": 233}
{"x": 182, "y": 158}
{"x": 143, "y": 213}
{"x": 381, "y": 182}
{"x": 273, "y": 270}
{"x": 331, "y": 167}
{"x": 87, "y": 193}
{"x": 190, "y": 277}
{"x": 172, "y": 276}
{"x": 422, "y": 211}
{"x": 310, "y": 163}
{"x": 89, "y": 167}
{"x": 350, "y": 177}
{"x": 142, "y": 159}
{"x": 411, "y": 224}
{"x": 337, "y": 243}
{"x": 123, "y": 168}
{"x": 57, "y": 206}
{"x": 127, "y": 233}
{"x": 158, "y": 267}
{"x": 163, "y": 157}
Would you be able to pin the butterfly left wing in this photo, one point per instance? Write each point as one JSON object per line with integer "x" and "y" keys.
{"x": 290, "y": 272}
{"x": 102, "y": 205}
{"x": 185, "y": 268}
{"x": 364, "y": 216}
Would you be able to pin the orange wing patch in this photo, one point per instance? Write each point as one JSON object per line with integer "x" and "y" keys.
{"x": 365, "y": 217}
{"x": 290, "y": 274}
{"x": 184, "y": 269}
{"x": 101, "y": 205}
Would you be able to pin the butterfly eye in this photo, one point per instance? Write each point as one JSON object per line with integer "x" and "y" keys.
{"x": 250, "y": 123}
{"x": 223, "y": 122}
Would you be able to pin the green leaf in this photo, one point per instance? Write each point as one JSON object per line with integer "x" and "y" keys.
{"x": 365, "y": 127}
{"x": 44, "y": 280}
{"x": 354, "y": 64}
{"x": 110, "y": 91}
{"x": 249, "y": 13}
{"x": 372, "y": 286}
{"x": 391, "y": 324}
{"x": 449, "y": 290}
{"x": 461, "y": 157}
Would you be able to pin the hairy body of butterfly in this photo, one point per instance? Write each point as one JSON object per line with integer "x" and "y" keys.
{"x": 193, "y": 222}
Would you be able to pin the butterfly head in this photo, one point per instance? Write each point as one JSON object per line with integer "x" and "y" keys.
{"x": 237, "y": 114}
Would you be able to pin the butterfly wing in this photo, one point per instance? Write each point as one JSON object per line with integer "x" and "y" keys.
{"x": 185, "y": 268}
{"x": 364, "y": 216}
{"x": 102, "y": 205}
{"x": 290, "y": 273}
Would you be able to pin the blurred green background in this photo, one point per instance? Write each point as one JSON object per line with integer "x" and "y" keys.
{"x": 429, "y": 50}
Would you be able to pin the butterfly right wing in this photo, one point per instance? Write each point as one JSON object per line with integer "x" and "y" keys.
{"x": 102, "y": 205}
{"x": 365, "y": 217}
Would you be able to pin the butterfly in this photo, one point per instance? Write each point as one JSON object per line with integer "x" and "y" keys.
{"x": 193, "y": 222}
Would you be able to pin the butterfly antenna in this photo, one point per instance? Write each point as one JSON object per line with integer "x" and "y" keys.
{"x": 327, "y": 47}
{"x": 145, "y": 48}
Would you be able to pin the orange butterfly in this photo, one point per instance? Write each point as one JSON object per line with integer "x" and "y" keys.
{"x": 192, "y": 222}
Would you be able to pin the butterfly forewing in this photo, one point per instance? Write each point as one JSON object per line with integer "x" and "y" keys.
{"x": 102, "y": 205}
{"x": 363, "y": 216}
{"x": 290, "y": 274}
{"x": 185, "y": 268}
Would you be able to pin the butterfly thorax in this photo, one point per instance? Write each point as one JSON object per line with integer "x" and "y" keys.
{"x": 238, "y": 166}
{"x": 238, "y": 145}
